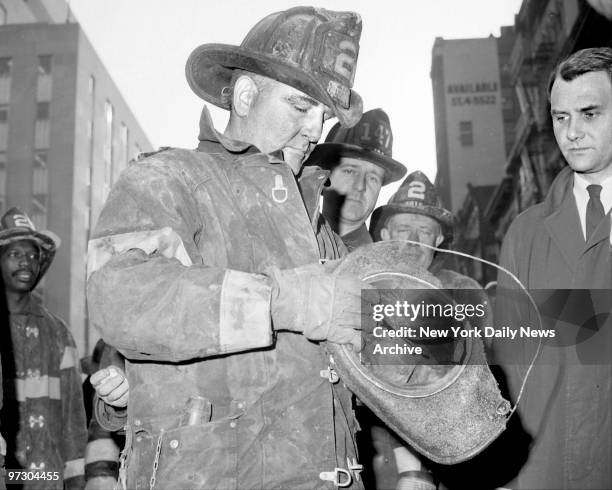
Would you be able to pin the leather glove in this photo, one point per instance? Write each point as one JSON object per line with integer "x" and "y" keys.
{"x": 415, "y": 480}
{"x": 112, "y": 386}
{"x": 319, "y": 303}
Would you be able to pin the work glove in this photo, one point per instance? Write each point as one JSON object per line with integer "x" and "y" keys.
{"x": 318, "y": 302}
{"x": 111, "y": 386}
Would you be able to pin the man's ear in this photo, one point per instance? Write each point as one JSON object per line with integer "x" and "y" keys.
{"x": 385, "y": 235}
{"x": 439, "y": 240}
{"x": 245, "y": 93}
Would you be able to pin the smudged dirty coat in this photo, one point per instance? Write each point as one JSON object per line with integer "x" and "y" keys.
{"x": 205, "y": 329}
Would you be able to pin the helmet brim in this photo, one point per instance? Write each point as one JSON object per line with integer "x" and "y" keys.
{"x": 326, "y": 155}
{"x": 383, "y": 213}
{"x": 209, "y": 71}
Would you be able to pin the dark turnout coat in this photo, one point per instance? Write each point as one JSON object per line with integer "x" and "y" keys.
{"x": 566, "y": 406}
{"x": 178, "y": 285}
{"x": 43, "y": 417}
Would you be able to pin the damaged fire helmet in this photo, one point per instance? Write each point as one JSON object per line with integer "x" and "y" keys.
{"x": 445, "y": 403}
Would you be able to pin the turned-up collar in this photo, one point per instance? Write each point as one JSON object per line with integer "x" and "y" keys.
{"x": 210, "y": 136}
{"x": 33, "y": 307}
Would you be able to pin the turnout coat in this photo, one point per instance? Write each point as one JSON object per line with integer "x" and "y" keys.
{"x": 566, "y": 406}
{"x": 178, "y": 285}
{"x": 43, "y": 417}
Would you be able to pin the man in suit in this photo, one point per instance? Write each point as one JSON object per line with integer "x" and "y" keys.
{"x": 564, "y": 243}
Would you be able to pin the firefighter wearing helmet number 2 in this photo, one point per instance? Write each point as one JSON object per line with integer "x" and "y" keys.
{"x": 222, "y": 283}
{"x": 216, "y": 292}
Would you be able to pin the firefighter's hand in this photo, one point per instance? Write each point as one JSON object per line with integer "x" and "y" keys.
{"x": 318, "y": 302}
{"x": 111, "y": 385}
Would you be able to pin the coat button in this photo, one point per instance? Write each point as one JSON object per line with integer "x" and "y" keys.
{"x": 174, "y": 443}
{"x": 233, "y": 424}
{"x": 137, "y": 422}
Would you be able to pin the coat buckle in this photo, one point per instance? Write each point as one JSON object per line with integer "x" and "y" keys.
{"x": 279, "y": 191}
{"x": 339, "y": 477}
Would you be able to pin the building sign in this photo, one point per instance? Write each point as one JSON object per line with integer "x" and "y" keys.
{"x": 473, "y": 94}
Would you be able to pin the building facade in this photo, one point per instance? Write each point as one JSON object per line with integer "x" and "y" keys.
{"x": 475, "y": 236}
{"x": 30, "y": 11}
{"x": 65, "y": 134}
{"x": 472, "y": 103}
{"x": 546, "y": 32}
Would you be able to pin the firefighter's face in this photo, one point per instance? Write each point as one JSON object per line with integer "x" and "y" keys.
{"x": 20, "y": 265}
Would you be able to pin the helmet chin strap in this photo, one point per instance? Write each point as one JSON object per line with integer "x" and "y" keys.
{"x": 520, "y": 284}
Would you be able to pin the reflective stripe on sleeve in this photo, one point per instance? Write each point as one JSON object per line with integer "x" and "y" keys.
{"x": 104, "y": 449}
{"x": 37, "y": 387}
{"x": 74, "y": 467}
{"x": 164, "y": 241}
{"x": 244, "y": 319}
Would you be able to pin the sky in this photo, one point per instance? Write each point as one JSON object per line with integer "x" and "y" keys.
{"x": 144, "y": 45}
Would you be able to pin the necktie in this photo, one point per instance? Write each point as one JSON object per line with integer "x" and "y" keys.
{"x": 594, "y": 211}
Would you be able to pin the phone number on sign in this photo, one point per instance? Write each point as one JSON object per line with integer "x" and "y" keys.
{"x": 18, "y": 476}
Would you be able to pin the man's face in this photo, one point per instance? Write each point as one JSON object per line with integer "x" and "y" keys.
{"x": 416, "y": 228}
{"x": 357, "y": 184}
{"x": 283, "y": 118}
{"x": 582, "y": 121}
{"x": 20, "y": 263}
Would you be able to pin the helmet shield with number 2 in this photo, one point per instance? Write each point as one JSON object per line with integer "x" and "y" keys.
{"x": 311, "y": 49}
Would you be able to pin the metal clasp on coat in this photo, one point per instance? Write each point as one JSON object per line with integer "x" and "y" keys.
{"x": 354, "y": 467}
{"x": 330, "y": 375}
{"x": 337, "y": 478}
{"x": 280, "y": 193}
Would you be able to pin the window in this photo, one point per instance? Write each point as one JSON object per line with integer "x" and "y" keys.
{"x": 90, "y": 127}
{"x": 2, "y": 181}
{"x": 123, "y": 148}
{"x": 108, "y": 146}
{"x": 42, "y": 111}
{"x": 466, "y": 133}
{"x": 137, "y": 151}
{"x": 44, "y": 83}
{"x": 5, "y": 67}
{"x": 5, "y": 80}
{"x": 40, "y": 178}
{"x": 3, "y": 127}
{"x": 39, "y": 190}
{"x": 44, "y": 65}
{"x": 41, "y": 130}
{"x": 91, "y": 88}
